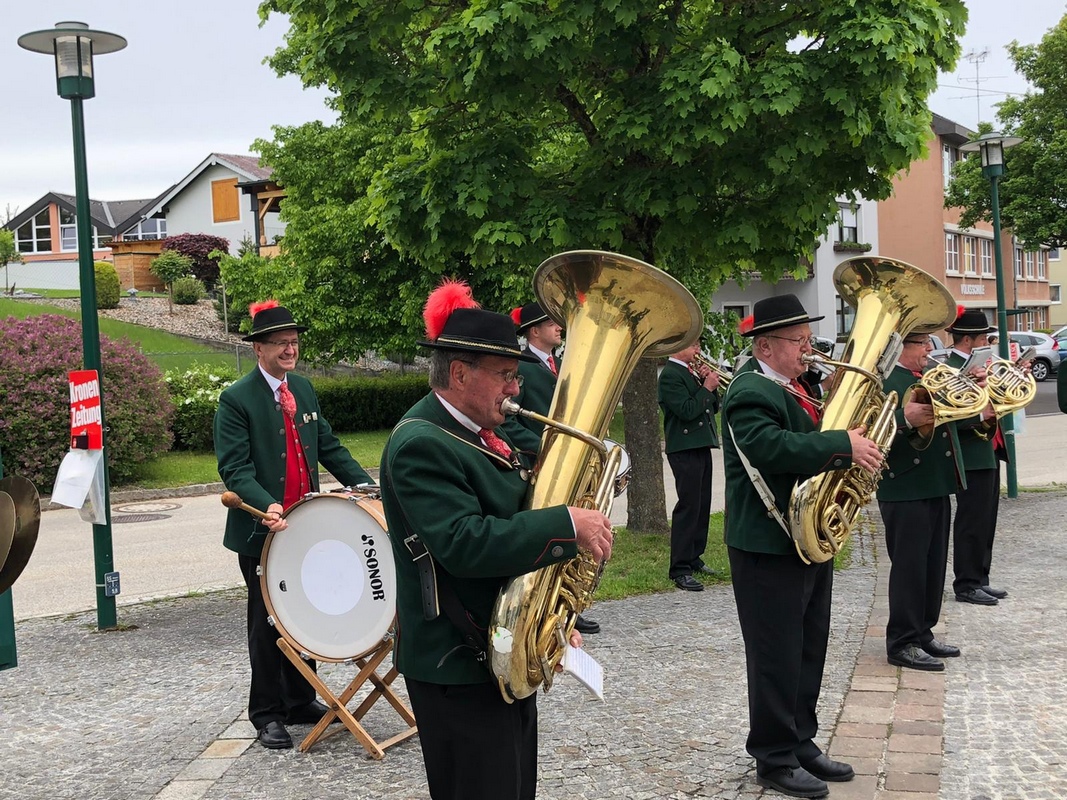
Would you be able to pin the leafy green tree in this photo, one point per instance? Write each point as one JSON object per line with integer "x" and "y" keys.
{"x": 8, "y": 252}
{"x": 1033, "y": 189}
{"x": 169, "y": 266}
{"x": 708, "y": 138}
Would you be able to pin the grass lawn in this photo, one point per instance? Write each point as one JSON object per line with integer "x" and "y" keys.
{"x": 166, "y": 349}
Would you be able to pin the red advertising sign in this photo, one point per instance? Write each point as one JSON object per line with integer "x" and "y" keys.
{"x": 86, "y": 430}
{"x": 1013, "y": 351}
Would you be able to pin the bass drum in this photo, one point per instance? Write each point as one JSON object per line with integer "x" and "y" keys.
{"x": 329, "y": 580}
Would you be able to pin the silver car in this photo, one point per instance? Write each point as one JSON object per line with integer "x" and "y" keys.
{"x": 1046, "y": 352}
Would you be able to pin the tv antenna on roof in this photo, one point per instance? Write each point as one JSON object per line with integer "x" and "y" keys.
{"x": 976, "y": 57}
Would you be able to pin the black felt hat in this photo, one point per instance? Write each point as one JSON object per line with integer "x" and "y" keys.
{"x": 971, "y": 322}
{"x": 267, "y": 318}
{"x": 772, "y": 313}
{"x": 527, "y": 316}
{"x": 454, "y": 321}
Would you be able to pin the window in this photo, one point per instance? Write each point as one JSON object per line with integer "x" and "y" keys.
{"x": 949, "y": 156}
{"x": 224, "y": 198}
{"x": 740, "y": 310}
{"x": 846, "y": 315}
{"x": 952, "y": 253}
{"x": 987, "y": 257}
{"x": 848, "y": 224}
{"x": 1029, "y": 263}
{"x": 970, "y": 255}
{"x": 1054, "y": 293}
{"x": 1039, "y": 256}
{"x": 1018, "y": 257}
{"x": 68, "y": 233}
{"x": 1054, "y": 254}
{"x": 35, "y": 235}
{"x": 150, "y": 228}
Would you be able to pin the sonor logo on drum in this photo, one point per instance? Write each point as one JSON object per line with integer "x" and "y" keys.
{"x": 374, "y": 572}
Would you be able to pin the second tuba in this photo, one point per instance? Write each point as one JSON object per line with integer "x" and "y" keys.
{"x": 892, "y": 299}
{"x": 615, "y": 310}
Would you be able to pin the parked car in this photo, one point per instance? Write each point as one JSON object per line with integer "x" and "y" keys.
{"x": 1047, "y": 356}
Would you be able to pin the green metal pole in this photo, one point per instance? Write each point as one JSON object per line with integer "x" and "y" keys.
{"x": 9, "y": 658}
{"x": 1007, "y": 426}
{"x": 102, "y": 549}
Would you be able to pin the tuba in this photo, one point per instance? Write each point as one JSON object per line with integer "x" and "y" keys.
{"x": 892, "y": 299}
{"x": 616, "y": 310}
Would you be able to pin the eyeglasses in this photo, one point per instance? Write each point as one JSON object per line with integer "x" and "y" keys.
{"x": 796, "y": 340}
{"x": 921, "y": 342}
{"x": 285, "y": 344}
{"x": 506, "y": 375}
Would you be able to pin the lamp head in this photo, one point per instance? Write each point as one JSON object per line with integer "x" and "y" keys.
{"x": 991, "y": 146}
{"x": 73, "y": 45}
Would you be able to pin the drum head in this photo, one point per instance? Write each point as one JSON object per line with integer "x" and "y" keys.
{"x": 328, "y": 579}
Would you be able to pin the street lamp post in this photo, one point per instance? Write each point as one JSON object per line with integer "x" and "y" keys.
{"x": 991, "y": 146}
{"x": 73, "y": 45}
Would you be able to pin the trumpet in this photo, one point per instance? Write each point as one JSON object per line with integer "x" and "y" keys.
{"x": 703, "y": 360}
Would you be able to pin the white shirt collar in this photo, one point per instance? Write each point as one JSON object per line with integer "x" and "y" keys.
{"x": 460, "y": 417}
{"x": 678, "y": 361}
{"x": 777, "y": 376}
{"x": 272, "y": 382}
{"x": 539, "y": 353}
{"x": 959, "y": 352}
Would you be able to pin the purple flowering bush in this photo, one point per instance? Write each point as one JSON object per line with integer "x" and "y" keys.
{"x": 36, "y": 354}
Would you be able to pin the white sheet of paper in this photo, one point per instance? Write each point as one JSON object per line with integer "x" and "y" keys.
{"x": 75, "y": 476}
{"x": 586, "y": 669}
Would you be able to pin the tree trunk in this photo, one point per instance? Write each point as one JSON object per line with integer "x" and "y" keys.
{"x": 645, "y": 504}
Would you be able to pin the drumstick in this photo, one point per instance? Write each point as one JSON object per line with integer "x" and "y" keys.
{"x": 233, "y": 500}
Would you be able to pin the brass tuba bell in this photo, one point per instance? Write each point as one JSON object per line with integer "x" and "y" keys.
{"x": 615, "y": 310}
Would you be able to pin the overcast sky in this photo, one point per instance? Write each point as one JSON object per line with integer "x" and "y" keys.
{"x": 192, "y": 82}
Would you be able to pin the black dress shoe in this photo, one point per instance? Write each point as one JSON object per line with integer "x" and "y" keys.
{"x": 706, "y": 570}
{"x": 308, "y": 714}
{"x": 274, "y": 736}
{"x": 689, "y": 583}
{"x": 976, "y": 596}
{"x": 794, "y": 781}
{"x": 912, "y": 657}
{"x": 826, "y": 769}
{"x": 940, "y": 649}
{"x": 1000, "y": 594}
{"x": 584, "y": 625}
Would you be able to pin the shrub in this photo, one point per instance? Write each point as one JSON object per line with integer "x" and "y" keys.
{"x": 199, "y": 247}
{"x": 188, "y": 291}
{"x": 107, "y": 285}
{"x": 368, "y": 404}
{"x": 195, "y": 394}
{"x": 248, "y": 279}
{"x": 36, "y": 354}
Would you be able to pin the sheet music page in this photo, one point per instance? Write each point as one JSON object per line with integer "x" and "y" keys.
{"x": 586, "y": 669}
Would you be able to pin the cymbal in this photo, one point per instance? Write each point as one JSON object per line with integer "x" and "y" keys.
{"x": 27, "y": 519}
{"x": 7, "y": 525}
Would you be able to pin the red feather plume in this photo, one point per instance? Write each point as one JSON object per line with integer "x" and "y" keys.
{"x": 255, "y": 308}
{"x": 959, "y": 311}
{"x": 746, "y": 324}
{"x": 443, "y": 300}
{"x": 516, "y": 316}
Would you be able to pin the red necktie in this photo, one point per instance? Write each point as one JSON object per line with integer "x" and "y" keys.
{"x": 552, "y": 365}
{"x": 802, "y": 398}
{"x": 287, "y": 401}
{"x": 916, "y": 373}
{"x": 495, "y": 443}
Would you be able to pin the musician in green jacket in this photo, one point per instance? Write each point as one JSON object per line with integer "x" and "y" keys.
{"x": 689, "y": 399}
{"x": 270, "y": 438}
{"x": 982, "y": 449}
{"x": 913, "y": 499}
{"x": 453, "y": 491}
{"x": 770, "y": 442}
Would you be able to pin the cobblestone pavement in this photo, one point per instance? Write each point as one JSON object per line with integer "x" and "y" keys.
{"x": 155, "y": 710}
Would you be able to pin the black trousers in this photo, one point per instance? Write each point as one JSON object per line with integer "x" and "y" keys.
{"x": 916, "y": 536}
{"x": 784, "y": 609}
{"x": 276, "y": 685}
{"x": 475, "y": 746}
{"x": 974, "y": 528}
{"x": 692, "y": 513}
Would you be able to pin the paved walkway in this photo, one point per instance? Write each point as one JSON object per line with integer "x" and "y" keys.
{"x": 155, "y": 710}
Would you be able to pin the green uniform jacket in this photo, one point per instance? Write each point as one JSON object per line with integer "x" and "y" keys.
{"x": 1061, "y": 389}
{"x": 688, "y": 410}
{"x": 912, "y": 474}
{"x": 977, "y": 452}
{"x": 538, "y": 387}
{"x": 464, "y": 503}
{"x": 779, "y": 439}
{"x": 250, "y": 448}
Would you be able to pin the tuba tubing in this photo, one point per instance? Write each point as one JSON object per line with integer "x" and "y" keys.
{"x": 616, "y": 310}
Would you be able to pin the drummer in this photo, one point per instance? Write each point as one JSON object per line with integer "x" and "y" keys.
{"x": 453, "y": 488}
{"x": 270, "y": 438}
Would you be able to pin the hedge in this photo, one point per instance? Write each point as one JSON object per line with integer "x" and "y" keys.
{"x": 368, "y": 404}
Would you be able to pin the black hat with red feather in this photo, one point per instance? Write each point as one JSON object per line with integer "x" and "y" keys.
{"x": 527, "y": 316}
{"x": 455, "y": 321}
{"x": 970, "y": 322}
{"x": 269, "y": 317}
